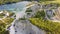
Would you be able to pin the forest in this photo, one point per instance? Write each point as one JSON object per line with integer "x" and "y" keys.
{"x": 2, "y": 2}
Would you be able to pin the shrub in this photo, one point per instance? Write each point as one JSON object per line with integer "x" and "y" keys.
{"x": 3, "y": 25}
{"x": 48, "y": 26}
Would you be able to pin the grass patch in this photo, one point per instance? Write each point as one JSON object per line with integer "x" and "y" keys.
{"x": 2, "y": 2}
{"x": 40, "y": 14}
{"x": 49, "y": 26}
{"x": 4, "y": 23}
{"x": 28, "y": 10}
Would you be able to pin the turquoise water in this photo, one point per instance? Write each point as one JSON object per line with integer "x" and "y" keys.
{"x": 14, "y": 7}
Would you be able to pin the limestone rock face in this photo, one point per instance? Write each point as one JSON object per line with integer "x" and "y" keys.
{"x": 25, "y": 27}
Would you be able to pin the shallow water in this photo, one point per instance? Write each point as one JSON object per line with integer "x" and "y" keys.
{"x": 14, "y": 7}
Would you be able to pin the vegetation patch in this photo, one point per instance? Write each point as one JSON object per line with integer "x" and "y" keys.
{"x": 8, "y": 1}
{"x": 4, "y": 23}
{"x": 49, "y": 26}
{"x": 28, "y": 10}
{"x": 40, "y": 14}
